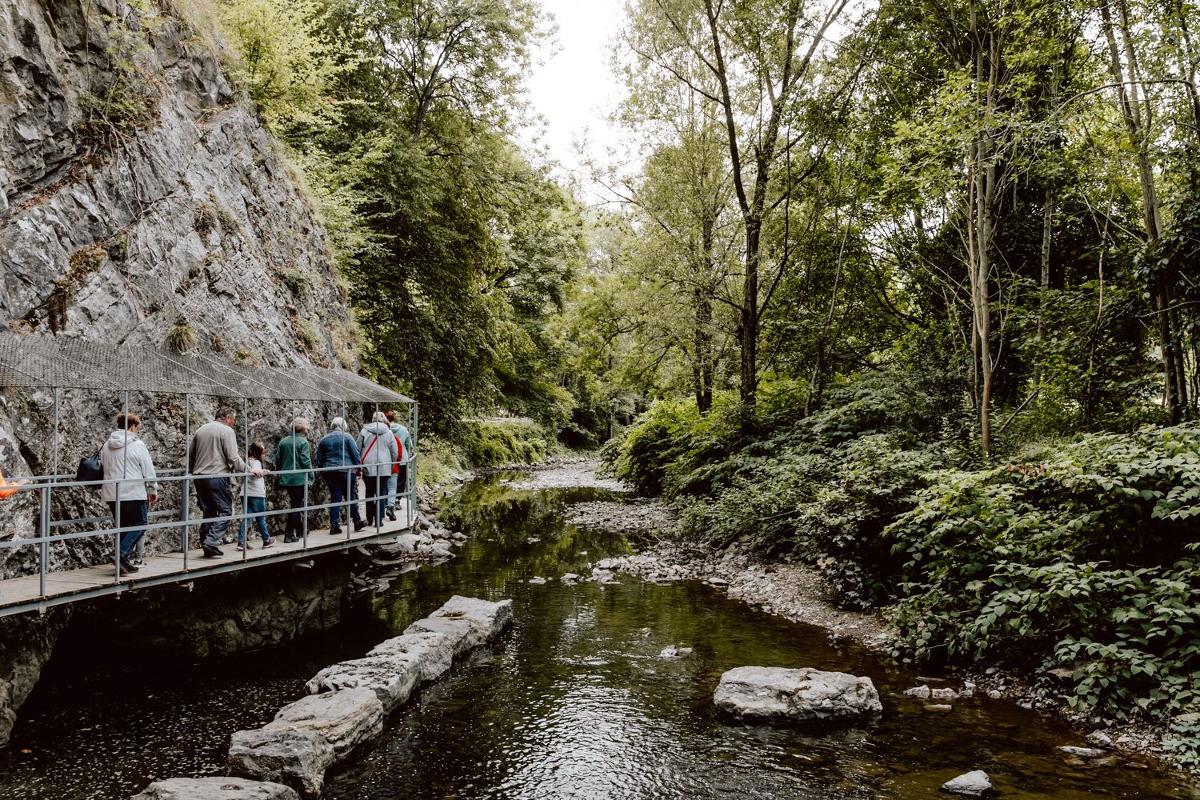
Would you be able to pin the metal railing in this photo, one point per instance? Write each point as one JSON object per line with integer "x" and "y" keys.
{"x": 45, "y": 486}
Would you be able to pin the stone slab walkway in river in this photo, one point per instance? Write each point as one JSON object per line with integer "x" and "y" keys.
{"x": 350, "y": 700}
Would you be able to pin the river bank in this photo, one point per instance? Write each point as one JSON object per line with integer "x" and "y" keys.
{"x": 794, "y": 592}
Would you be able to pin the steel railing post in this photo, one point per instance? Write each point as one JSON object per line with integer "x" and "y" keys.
{"x": 44, "y": 545}
{"x": 185, "y": 492}
{"x": 245, "y": 523}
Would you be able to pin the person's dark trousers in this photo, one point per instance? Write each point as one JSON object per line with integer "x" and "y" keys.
{"x": 295, "y": 518}
{"x": 215, "y": 496}
{"x": 376, "y": 497}
{"x": 337, "y": 483}
{"x": 130, "y": 514}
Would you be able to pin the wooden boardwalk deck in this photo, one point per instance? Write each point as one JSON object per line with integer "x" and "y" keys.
{"x": 23, "y": 594}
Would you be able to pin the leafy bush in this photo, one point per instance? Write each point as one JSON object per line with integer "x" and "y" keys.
{"x": 1077, "y": 557}
{"x": 1078, "y": 554}
{"x": 492, "y": 443}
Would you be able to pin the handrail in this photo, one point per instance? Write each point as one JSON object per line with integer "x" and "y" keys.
{"x": 44, "y": 483}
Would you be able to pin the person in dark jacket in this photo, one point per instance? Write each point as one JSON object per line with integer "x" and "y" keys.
{"x": 293, "y": 458}
{"x": 338, "y": 457}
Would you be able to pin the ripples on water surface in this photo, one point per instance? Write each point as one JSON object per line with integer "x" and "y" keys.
{"x": 574, "y": 703}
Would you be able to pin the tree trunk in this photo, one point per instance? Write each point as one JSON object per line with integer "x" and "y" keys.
{"x": 1136, "y": 127}
{"x": 749, "y": 314}
{"x": 702, "y": 368}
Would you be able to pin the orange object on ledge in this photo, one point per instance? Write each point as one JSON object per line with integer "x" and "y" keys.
{"x": 7, "y": 489}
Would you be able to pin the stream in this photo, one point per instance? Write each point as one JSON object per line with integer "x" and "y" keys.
{"x": 574, "y": 702}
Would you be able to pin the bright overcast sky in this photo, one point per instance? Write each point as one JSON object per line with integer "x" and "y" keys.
{"x": 572, "y": 85}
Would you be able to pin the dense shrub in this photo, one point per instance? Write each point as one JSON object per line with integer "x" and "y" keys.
{"x": 496, "y": 442}
{"x": 1080, "y": 557}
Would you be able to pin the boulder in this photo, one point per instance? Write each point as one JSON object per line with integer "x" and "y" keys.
{"x": 297, "y": 758}
{"x": 344, "y": 718}
{"x": 407, "y": 542}
{"x": 468, "y": 621}
{"x": 306, "y": 737}
{"x": 433, "y": 653}
{"x": 1083, "y": 752}
{"x": 970, "y": 784}
{"x": 919, "y": 692}
{"x": 944, "y": 694}
{"x": 492, "y": 618}
{"x": 804, "y": 695}
{"x": 392, "y": 676}
{"x": 215, "y": 788}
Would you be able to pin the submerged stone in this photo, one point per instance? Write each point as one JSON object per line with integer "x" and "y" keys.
{"x": 215, "y": 788}
{"x": 805, "y": 695}
{"x": 306, "y": 737}
{"x": 349, "y": 700}
{"x": 344, "y": 718}
{"x": 391, "y": 676}
{"x": 468, "y": 621}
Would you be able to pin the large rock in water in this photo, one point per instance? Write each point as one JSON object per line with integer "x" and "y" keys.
{"x": 803, "y": 695}
{"x": 297, "y": 758}
{"x": 467, "y": 620}
{"x": 433, "y": 653}
{"x": 391, "y": 676}
{"x": 970, "y": 784}
{"x": 306, "y": 737}
{"x": 218, "y": 788}
{"x": 423, "y": 654}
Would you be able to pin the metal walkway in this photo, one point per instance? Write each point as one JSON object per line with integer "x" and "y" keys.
{"x": 24, "y": 594}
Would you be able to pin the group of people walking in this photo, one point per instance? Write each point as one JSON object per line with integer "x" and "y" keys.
{"x": 380, "y": 454}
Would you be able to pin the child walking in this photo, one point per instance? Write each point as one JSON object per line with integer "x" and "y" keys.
{"x": 256, "y": 500}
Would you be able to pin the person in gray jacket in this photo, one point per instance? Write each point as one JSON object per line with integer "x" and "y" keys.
{"x": 212, "y": 456}
{"x": 380, "y": 450}
{"x": 126, "y": 460}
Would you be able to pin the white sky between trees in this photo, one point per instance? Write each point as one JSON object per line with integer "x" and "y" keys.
{"x": 571, "y": 85}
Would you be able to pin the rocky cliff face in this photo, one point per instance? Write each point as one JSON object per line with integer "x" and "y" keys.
{"x": 139, "y": 192}
{"x": 142, "y": 203}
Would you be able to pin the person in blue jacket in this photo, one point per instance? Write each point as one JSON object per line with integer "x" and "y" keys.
{"x": 338, "y": 457}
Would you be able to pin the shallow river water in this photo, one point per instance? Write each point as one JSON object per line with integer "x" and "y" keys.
{"x": 575, "y": 702}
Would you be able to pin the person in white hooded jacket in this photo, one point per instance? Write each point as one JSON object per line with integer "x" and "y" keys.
{"x": 380, "y": 449}
{"x": 126, "y": 460}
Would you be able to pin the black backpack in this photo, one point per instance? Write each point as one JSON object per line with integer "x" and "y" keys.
{"x": 90, "y": 469}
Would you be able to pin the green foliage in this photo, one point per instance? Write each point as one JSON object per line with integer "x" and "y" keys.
{"x": 286, "y": 58}
{"x": 1078, "y": 556}
{"x": 181, "y": 337}
{"x": 500, "y": 442}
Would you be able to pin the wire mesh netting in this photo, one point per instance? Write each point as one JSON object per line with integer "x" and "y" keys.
{"x": 42, "y": 361}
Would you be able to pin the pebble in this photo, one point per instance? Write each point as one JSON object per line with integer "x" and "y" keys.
{"x": 536, "y": 581}
{"x": 1082, "y": 752}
